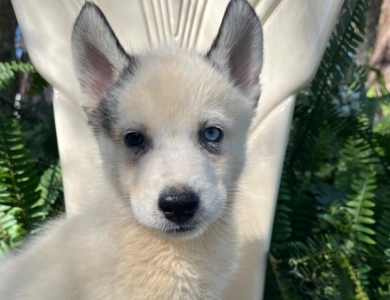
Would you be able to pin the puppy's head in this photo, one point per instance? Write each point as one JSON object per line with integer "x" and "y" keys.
{"x": 171, "y": 124}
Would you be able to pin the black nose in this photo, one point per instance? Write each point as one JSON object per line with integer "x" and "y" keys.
{"x": 178, "y": 205}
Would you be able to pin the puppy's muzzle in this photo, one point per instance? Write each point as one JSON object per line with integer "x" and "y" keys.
{"x": 178, "y": 205}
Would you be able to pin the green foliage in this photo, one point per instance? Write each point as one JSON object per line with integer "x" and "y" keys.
{"x": 30, "y": 187}
{"x": 8, "y": 69}
{"x": 18, "y": 183}
{"x": 336, "y": 243}
{"x": 26, "y": 197}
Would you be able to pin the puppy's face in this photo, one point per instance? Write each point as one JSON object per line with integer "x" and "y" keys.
{"x": 175, "y": 135}
{"x": 171, "y": 124}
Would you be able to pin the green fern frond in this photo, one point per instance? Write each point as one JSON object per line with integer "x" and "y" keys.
{"x": 360, "y": 207}
{"x": 18, "y": 181}
{"x": 344, "y": 285}
{"x": 50, "y": 185}
{"x": 281, "y": 286}
{"x": 8, "y": 69}
{"x": 360, "y": 293}
{"x": 322, "y": 264}
{"x": 311, "y": 264}
{"x": 383, "y": 225}
{"x": 320, "y": 128}
{"x": 49, "y": 188}
{"x": 38, "y": 84}
{"x": 336, "y": 181}
{"x": 26, "y": 198}
{"x": 331, "y": 74}
{"x": 354, "y": 158}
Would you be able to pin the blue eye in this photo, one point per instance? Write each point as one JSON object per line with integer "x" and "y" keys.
{"x": 212, "y": 134}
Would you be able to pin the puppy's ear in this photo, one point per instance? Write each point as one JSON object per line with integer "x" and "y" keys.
{"x": 98, "y": 56}
{"x": 238, "y": 47}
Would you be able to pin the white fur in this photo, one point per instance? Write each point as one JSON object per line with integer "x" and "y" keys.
{"x": 120, "y": 248}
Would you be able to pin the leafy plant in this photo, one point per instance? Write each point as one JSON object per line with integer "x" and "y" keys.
{"x": 29, "y": 192}
{"x": 336, "y": 243}
{"x": 8, "y": 69}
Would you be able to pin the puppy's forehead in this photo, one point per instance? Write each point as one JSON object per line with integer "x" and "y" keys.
{"x": 176, "y": 82}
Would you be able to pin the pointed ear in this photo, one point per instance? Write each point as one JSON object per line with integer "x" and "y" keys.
{"x": 238, "y": 47}
{"x": 98, "y": 57}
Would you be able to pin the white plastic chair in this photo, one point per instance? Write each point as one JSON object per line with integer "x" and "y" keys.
{"x": 296, "y": 33}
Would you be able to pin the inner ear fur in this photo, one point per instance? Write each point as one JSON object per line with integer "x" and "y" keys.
{"x": 238, "y": 47}
{"x": 98, "y": 57}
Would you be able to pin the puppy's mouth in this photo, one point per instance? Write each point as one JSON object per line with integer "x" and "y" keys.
{"x": 184, "y": 231}
{"x": 181, "y": 229}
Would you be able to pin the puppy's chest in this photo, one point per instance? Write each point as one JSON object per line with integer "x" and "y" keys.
{"x": 164, "y": 271}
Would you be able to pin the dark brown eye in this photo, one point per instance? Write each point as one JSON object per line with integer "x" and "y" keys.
{"x": 134, "y": 139}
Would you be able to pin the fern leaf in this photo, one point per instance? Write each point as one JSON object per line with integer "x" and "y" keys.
{"x": 18, "y": 183}
{"x": 360, "y": 207}
{"x": 335, "y": 64}
{"x": 281, "y": 287}
{"x": 360, "y": 293}
{"x": 8, "y": 69}
{"x": 50, "y": 188}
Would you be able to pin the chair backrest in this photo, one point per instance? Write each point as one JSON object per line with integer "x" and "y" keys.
{"x": 295, "y": 33}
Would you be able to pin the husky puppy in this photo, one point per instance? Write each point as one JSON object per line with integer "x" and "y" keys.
{"x": 171, "y": 126}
